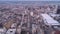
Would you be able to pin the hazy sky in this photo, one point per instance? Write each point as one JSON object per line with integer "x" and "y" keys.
{"x": 29, "y": 0}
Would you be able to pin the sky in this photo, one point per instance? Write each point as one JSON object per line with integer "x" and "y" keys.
{"x": 29, "y": 0}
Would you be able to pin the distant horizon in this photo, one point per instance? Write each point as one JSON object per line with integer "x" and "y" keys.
{"x": 49, "y": 1}
{"x": 29, "y": 0}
